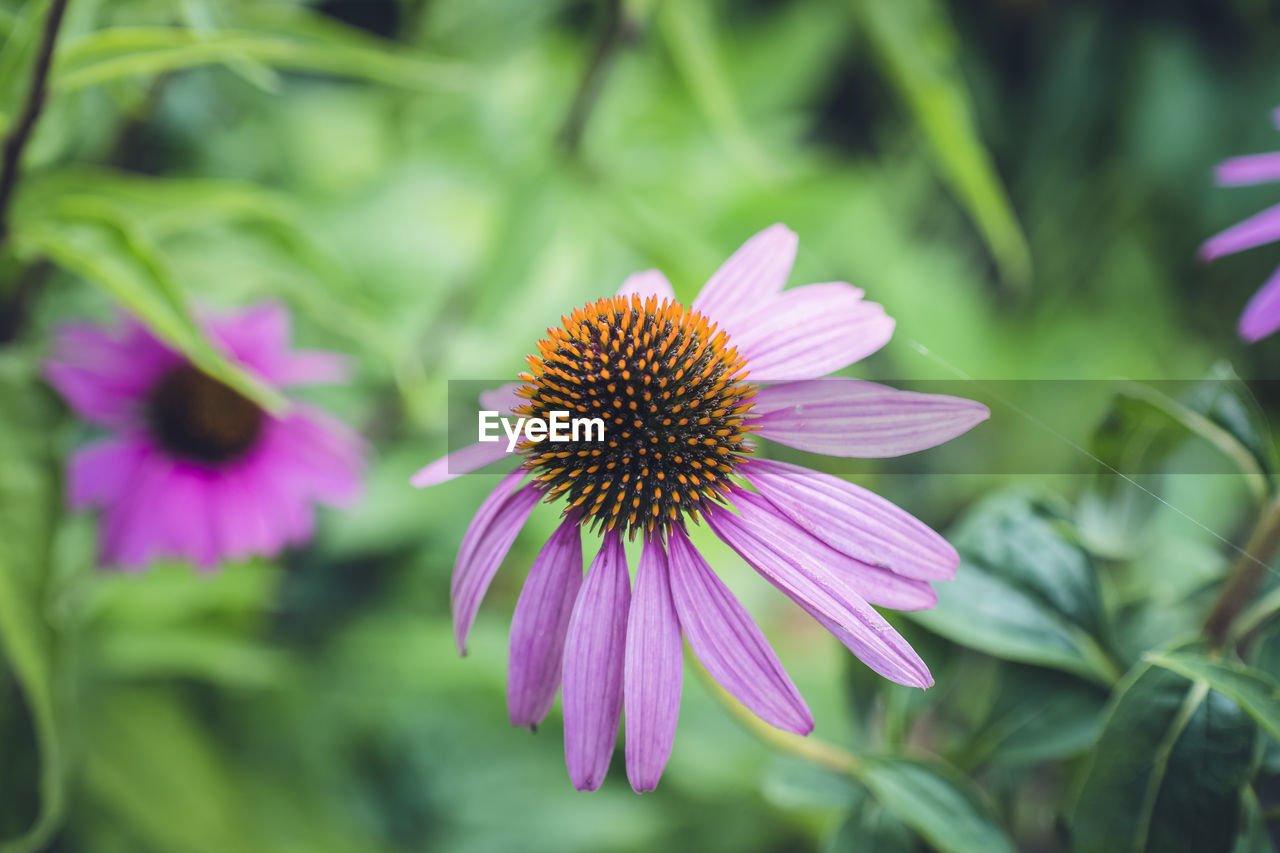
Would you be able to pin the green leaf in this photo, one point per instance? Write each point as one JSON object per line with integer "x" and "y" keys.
{"x": 870, "y": 828}
{"x": 1252, "y": 689}
{"x": 112, "y": 54}
{"x": 983, "y": 612}
{"x": 1025, "y": 590}
{"x": 1218, "y": 410}
{"x": 1039, "y": 716}
{"x": 937, "y": 803}
{"x": 91, "y": 238}
{"x": 1169, "y": 769}
{"x": 29, "y": 501}
{"x": 917, "y": 47}
{"x": 1026, "y": 542}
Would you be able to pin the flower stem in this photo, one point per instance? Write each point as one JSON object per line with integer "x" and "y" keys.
{"x": 615, "y": 30}
{"x": 1246, "y": 574}
{"x": 815, "y": 750}
{"x": 15, "y": 142}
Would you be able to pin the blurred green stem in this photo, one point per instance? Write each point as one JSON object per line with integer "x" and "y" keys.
{"x": 1246, "y": 574}
{"x": 813, "y": 749}
{"x": 33, "y": 105}
{"x": 615, "y": 29}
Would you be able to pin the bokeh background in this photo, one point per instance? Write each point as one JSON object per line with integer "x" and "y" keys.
{"x": 428, "y": 185}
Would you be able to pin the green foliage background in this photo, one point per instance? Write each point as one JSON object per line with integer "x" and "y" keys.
{"x": 428, "y": 184}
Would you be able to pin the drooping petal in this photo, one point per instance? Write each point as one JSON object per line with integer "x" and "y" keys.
{"x": 315, "y": 456}
{"x": 594, "y": 653}
{"x": 729, "y": 643}
{"x": 539, "y": 625}
{"x": 809, "y": 332}
{"x": 488, "y": 539}
{"x": 796, "y": 563}
{"x": 853, "y": 520}
{"x": 461, "y": 461}
{"x": 852, "y": 417}
{"x": 1248, "y": 170}
{"x": 648, "y": 283}
{"x": 653, "y": 670}
{"x": 755, "y": 273}
{"x": 1257, "y": 230}
{"x": 1261, "y": 316}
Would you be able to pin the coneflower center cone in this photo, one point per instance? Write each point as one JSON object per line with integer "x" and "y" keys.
{"x": 194, "y": 416}
{"x": 672, "y": 394}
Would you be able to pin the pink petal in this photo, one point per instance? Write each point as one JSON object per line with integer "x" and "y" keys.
{"x": 852, "y": 417}
{"x": 729, "y": 643}
{"x": 309, "y": 367}
{"x": 459, "y": 462}
{"x": 488, "y": 539}
{"x": 1257, "y": 230}
{"x": 101, "y": 473}
{"x": 104, "y": 377}
{"x": 754, "y": 274}
{"x": 653, "y": 671}
{"x": 809, "y": 332}
{"x": 594, "y": 654}
{"x": 799, "y": 565}
{"x": 502, "y": 399}
{"x": 646, "y": 284}
{"x": 539, "y": 625}
{"x": 257, "y": 336}
{"x": 130, "y": 536}
{"x": 1252, "y": 169}
{"x": 317, "y": 455}
{"x": 1261, "y": 316}
{"x": 853, "y": 520}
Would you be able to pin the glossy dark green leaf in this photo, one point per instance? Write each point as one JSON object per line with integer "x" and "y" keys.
{"x": 1169, "y": 769}
{"x": 1038, "y": 716}
{"x": 29, "y": 500}
{"x": 870, "y": 828}
{"x": 939, "y": 804}
{"x": 988, "y": 613}
{"x": 1252, "y": 689}
{"x": 1030, "y": 544}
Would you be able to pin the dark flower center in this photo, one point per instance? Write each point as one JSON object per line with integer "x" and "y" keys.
{"x": 197, "y": 417}
{"x": 672, "y": 394}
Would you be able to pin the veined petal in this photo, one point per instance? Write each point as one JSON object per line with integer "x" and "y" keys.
{"x": 464, "y": 460}
{"x": 488, "y": 539}
{"x": 539, "y": 625}
{"x": 810, "y": 331}
{"x": 1248, "y": 170}
{"x": 854, "y": 521}
{"x": 729, "y": 643}
{"x": 755, "y": 273}
{"x": 787, "y": 558}
{"x": 594, "y": 652}
{"x": 1261, "y": 316}
{"x": 1257, "y": 230}
{"x": 852, "y": 417}
{"x": 653, "y": 670}
{"x": 648, "y": 283}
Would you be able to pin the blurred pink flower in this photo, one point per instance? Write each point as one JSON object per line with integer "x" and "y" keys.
{"x": 1261, "y": 316}
{"x": 672, "y": 383}
{"x": 193, "y": 469}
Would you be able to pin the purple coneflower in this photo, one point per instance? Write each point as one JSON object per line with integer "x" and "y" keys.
{"x": 193, "y": 469}
{"x": 678, "y": 388}
{"x": 1261, "y": 316}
